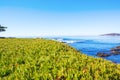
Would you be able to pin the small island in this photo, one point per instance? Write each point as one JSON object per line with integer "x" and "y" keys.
{"x": 111, "y": 34}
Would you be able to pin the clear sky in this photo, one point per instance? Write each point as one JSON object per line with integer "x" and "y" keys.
{"x": 59, "y": 17}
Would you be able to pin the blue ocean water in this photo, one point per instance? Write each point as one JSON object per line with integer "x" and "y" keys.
{"x": 90, "y": 45}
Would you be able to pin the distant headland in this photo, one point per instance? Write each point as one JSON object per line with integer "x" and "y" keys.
{"x": 111, "y": 34}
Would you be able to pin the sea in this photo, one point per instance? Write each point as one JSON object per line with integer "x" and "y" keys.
{"x": 91, "y": 45}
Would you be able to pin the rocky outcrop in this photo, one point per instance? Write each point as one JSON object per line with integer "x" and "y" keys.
{"x": 113, "y": 51}
{"x": 101, "y": 54}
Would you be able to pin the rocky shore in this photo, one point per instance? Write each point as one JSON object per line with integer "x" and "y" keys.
{"x": 113, "y": 51}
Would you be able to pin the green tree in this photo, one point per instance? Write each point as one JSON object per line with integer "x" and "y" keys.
{"x": 2, "y": 28}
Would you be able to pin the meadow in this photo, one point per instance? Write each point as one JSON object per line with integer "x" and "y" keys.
{"x": 42, "y": 59}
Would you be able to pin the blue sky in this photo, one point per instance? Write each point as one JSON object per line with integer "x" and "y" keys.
{"x": 59, "y": 17}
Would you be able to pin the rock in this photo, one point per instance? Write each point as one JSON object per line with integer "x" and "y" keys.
{"x": 101, "y": 54}
{"x": 118, "y": 47}
{"x": 115, "y": 51}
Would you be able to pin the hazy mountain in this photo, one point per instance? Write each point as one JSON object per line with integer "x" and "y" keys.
{"x": 111, "y": 34}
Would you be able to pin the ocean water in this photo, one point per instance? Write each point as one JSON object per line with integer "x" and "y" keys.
{"x": 91, "y": 45}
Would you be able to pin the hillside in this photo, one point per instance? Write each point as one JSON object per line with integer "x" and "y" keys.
{"x": 41, "y": 59}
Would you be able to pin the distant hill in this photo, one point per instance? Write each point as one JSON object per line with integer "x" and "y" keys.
{"x": 111, "y": 34}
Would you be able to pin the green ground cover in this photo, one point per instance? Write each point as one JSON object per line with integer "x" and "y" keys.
{"x": 41, "y": 59}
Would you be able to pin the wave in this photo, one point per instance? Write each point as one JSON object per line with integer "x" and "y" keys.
{"x": 88, "y": 41}
{"x": 65, "y": 40}
{"x": 70, "y": 41}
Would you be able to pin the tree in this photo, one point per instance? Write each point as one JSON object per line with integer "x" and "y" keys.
{"x": 2, "y": 28}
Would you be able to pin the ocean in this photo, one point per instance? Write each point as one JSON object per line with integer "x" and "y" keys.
{"x": 91, "y": 45}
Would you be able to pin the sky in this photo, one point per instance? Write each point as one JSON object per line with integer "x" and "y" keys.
{"x": 59, "y": 17}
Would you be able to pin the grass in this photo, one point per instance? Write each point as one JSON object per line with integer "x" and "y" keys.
{"x": 41, "y": 59}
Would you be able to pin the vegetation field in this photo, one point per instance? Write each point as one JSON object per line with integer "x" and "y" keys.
{"x": 41, "y": 59}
